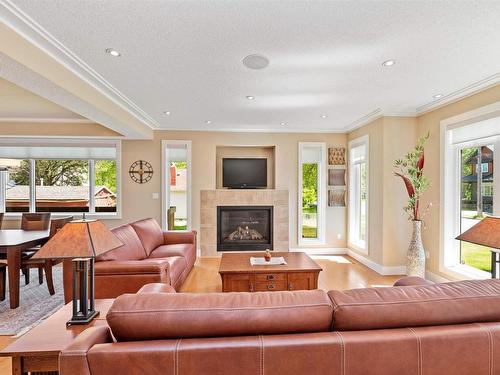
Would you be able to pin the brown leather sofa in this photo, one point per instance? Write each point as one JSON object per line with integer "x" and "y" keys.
{"x": 148, "y": 255}
{"x": 451, "y": 328}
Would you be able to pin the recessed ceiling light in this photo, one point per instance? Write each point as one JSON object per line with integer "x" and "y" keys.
{"x": 256, "y": 61}
{"x": 167, "y": 113}
{"x": 113, "y": 52}
{"x": 324, "y": 116}
{"x": 282, "y": 123}
{"x": 250, "y": 97}
{"x": 208, "y": 122}
{"x": 437, "y": 96}
{"x": 388, "y": 63}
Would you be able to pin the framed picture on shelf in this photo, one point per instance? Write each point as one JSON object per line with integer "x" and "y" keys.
{"x": 336, "y": 198}
{"x": 336, "y": 156}
{"x": 336, "y": 177}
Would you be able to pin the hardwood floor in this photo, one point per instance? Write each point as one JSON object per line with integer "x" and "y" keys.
{"x": 339, "y": 272}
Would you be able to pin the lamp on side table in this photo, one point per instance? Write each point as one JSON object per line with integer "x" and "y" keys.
{"x": 81, "y": 241}
{"x": 486, "y": 233}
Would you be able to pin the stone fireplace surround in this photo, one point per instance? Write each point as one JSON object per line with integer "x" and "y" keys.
{"x": 210, "y": 199}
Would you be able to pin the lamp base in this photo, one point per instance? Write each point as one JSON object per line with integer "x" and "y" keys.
{"x": 83, "y": 319}
{"x": 83, "y": 286}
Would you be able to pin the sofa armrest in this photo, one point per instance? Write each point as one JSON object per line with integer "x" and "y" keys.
{"x": 171, "y": 237}
{"x": 157, "y": 288}
{"x": 412, "y": 281}
{"x": 73, "y": 359}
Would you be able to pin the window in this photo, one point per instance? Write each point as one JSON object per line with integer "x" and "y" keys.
{"x": 312, "y": 192}
{"x": 176, "y": 185}
{"x": 358, "y": 194}
{"x": 60, "y": 176}
{"x": 469, "y": 185}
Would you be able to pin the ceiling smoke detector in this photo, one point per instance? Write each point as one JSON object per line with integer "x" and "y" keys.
{"x": 256, "y": 62}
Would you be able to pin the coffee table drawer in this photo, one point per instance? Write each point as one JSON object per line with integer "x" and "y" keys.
{"x": 270, "y": 277}
{"x": 270, "y": 286}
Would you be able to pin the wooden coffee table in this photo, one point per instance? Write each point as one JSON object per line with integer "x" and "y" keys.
{"x": 300, "y": 273}
{"x": 37, "y": 351}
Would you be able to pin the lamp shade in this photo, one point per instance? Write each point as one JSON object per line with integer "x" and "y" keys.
{"x": 79, "y": 239}
{"x": 485, "y": 233}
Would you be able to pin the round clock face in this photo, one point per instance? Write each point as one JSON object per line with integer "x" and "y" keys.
{"x": 141, "y": 171}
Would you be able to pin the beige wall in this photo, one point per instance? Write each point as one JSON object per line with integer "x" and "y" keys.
{"x": 138, "y": 202}
{"x": 389, "y": 138}
{"x": 430, "y": 123}
{"x": 53, "y": 130}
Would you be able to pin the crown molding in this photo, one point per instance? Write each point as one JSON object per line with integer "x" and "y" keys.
{"x": 46, "y": 120}
{"x": 364, "y": 120}
{"x": 459, "y": 94}
{"x": 253, "y": 130}
{"x": 28, "y": 28}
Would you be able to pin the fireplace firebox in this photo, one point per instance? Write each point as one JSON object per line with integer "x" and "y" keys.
{"x": 244, "y": 228}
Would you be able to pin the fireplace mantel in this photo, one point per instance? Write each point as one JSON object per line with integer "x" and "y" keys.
{"x": 210, "y": 199}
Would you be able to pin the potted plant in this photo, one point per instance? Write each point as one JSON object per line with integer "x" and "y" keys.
{"x": 410, "y": 169}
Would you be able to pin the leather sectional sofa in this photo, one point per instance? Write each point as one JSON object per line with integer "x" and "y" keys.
{"x": 451, "y": 328}
{"x": 148, "y": 255}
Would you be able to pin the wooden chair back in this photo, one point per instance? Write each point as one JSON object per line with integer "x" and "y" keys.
{"x": 35, "y": 221}
{"x": 57, "y": 224}
{"x": 1, "y": 219}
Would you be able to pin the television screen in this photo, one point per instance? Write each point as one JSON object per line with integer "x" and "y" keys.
{"x": 244, "y": 173}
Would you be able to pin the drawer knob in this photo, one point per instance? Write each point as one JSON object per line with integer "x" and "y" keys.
{"x": 271, "y": 287}
{"x": 290, "y": 286}
{"x": 270, "y": 277}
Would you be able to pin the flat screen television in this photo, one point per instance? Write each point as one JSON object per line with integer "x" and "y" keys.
{"x": 244, "y": 173}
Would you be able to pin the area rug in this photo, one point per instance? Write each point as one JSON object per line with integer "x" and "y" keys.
{"x": 35, "y": 305}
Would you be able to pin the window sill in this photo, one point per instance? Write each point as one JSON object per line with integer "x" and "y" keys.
{"x": 359, "y": 246}
{"x": 462, "y": 271}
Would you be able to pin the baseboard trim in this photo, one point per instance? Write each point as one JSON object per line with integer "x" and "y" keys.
{"x": 381, "y": 270}
{"x": 320, "y": 250}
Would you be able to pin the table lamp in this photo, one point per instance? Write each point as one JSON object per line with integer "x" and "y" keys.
{"x": 486, "y": 233}
{"x": 81, "y": 241}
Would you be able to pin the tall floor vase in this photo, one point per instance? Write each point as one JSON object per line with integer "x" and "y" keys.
{"x": 415, "y": 258}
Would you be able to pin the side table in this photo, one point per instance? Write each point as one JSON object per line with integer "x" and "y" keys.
{"x": 37, "y": 351}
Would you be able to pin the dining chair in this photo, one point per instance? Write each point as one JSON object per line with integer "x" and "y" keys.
{"x": 1, "y": 219}
{"x": 47, "y": 264}
{"x": 33, "y": 221}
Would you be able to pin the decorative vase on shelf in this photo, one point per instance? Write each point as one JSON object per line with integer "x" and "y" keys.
{"x": 415, "y": 258}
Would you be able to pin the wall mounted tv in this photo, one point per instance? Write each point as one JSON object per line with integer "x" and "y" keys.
{"x": 244, "y": 173}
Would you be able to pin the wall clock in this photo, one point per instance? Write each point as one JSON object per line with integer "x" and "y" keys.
{"x": 141, "y": 171}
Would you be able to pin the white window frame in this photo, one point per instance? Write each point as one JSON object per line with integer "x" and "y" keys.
{"x": 449, "y": 248}
{"x": 165, "y": 187}
{"x": 68, "y": 142}
{"x": 321, "y": 208}
{"x": 361, "y": 246}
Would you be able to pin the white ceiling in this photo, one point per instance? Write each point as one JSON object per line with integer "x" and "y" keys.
{"x": 18, "y": 104}
{"x": 325, "y": 57}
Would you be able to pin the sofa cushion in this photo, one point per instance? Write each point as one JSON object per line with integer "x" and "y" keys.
{"x": 132, "y": 248}
{"x": 134, "y": 317}
{"x": 471, "y": 301}
{"x": 132, "y": 267}
{"x": 156, "y": 288}
{"x": 182, "y": 249}
{"x": 149, "y": 233}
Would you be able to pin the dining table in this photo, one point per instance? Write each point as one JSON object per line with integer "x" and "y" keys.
{"x": 12, "y": 243}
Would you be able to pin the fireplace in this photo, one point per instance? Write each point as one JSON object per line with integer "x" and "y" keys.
{"x": 244, "y": 228}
